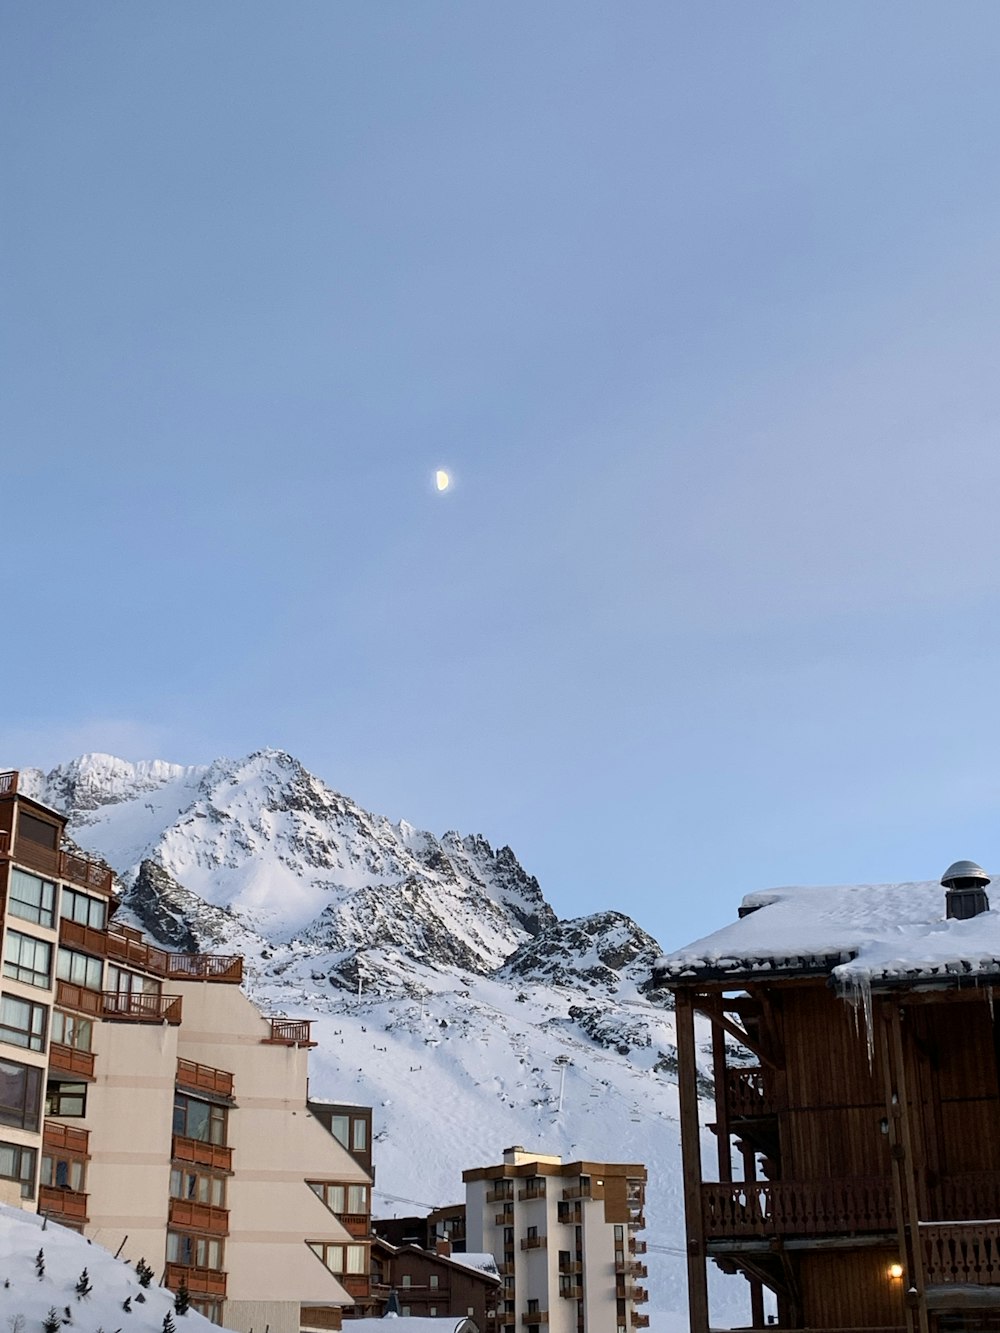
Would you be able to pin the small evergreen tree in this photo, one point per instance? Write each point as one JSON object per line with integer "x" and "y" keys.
{"x": 140, "y": 1298}
{"x": 127, "y": 1304}
{"x": 144, "y": 1273}
{"x": 52, "y": 1323}
{"x": 168, "y": 1323}
{"x": 83, "y": 1285}
{"x": 40, "y": 1264}
{"x": 182, "y": 1299}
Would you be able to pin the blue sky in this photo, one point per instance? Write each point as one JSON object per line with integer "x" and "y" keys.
{"x": 698, "y": 302}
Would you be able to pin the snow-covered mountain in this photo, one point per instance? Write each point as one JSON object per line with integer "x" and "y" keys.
{"x": 445, "y": 991}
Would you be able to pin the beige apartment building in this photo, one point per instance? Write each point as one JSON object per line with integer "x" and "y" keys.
{"x": 564, "y": 1237}
{"x": 146, "y": 1102}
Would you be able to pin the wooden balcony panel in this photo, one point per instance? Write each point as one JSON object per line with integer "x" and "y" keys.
{"x": 577, "y": 1192}
{"x": 226, "y": 968}
{"x": 636, "y": 1246}
{"x": 8, "y": 782}
{"x": 67, "y": 1060}
{"x": 574, "y": 1293}
{"x": 195, "y": 1216}
{"x": 138, "y": 1007}
{"x": 60, "y": 1203}
{"x": 65, "y": 1138}
{"x": 973, "y": 1195}
{"x": 642, "y": 1321}
{"x": 71, "y": 996}
{"x": 85, "y": 873}
{"x": 213, "y": 1155}
{"x": 570, "y": 1266}
{"x": 77, "y": 936}
{"x": 570, "y": 1216}
{"x": 128, "y": 946}
{"x": 506, "y": 1218}
{"x": 357, "y": 1224}
{"x": 357, "y": 1285}
{"x": 500, "y": 1195}
{"x": 199, "y": 1281}
{"x": 290, "y": 1032}
{"x": 204, "y": 1078}
{"x": 535, "y": 1317}
{"x": 532, "y": 1192}
{"x": 785, "y": 1208}
{"x": 961, "y": 1253}
{"x": 534, "y": 1242}
{"x": 638, "y": 1295}
{"x": 748, "y": 1095}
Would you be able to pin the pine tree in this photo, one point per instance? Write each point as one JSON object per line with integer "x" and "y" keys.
{"x": 168, "y": 1323}
{"x": 83, "y": 1285}
{"x": 127, "y": 1304}
{"x": 182, "y": 1299}
{"x": 40, "y": 1264}
{"x": 52, "y": 1323}
{"x": 144, "y": 1273}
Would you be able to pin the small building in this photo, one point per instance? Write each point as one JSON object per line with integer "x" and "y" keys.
{"x": 565, "y": 1238}
{"x": 434, "y": 1282}
{"x": 856, "y": 1058}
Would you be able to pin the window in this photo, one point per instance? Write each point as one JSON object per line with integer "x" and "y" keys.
{"x": 194, "y": 1251}
{"x": 342, "y": 1258}
{"x": 341, "y": 1198}
{"x": 27, "y": 959}
{"x": 199, "y": 1120}
{"x": 37, "y": 830}
{"x": 22, "y": 1023}
{"x": 18, "y": 1163}
{"x": 80, "y": 969}
{"x": 68, "y": 1099}
{"x": 65, "y": 1173}
{"x": 434, "y": 1280}
{"x": 81, "y": 907}
{"x": 20, "y": 1094}
{"x": 433, "y": 1310}
{"x": 199, "y": 1186}
{"x": 533, "y": 1306}
{"x": 131, "y": 983}
{"x": 72, "y": 1030}
{"x": 340, "y": 1128}
{"x": 359, "y": 1135}
{"x": 31, "y": 898}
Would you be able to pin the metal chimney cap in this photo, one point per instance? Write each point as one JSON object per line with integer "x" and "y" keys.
{"x": 964, "y": 870}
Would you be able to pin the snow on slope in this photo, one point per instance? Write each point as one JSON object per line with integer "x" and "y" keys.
{"x": 25, "y": 1295}
{"x": 476, "y": 1005}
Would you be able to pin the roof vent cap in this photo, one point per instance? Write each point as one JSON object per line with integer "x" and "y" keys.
{"x": 964, "y": 875}
{"x": 966, "y": 884}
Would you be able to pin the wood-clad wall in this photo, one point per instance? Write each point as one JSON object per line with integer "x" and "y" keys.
{"x": 850, "y": 1289}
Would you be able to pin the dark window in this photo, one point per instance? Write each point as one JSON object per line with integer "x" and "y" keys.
{"x": 195, "y": 1251}
{"x": 27, "y": 959}
{"x": 37, "y": 830}
{"x": 359, "y": 1130}
{"x": 83, "y": 908}
{"x": 65, "y": 1173}
{"x": 68, "y": 1099}
{"x": 31, "y": 898}
{"x": 199, "y": 1120}
{"x": 22, "y": 1023}
{"x": 18, "y": 1163}
{"x": 20, "y": 1094}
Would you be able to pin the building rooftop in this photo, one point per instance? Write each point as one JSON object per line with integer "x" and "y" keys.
{"x": 858, "y": 934}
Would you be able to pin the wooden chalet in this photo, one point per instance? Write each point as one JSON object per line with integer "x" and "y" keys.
{"x": 856, "y": 1061}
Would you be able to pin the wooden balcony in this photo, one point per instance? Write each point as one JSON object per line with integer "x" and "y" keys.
{"x": 500, "y": 1195}
{"x": 68, "y": 1060}
{"x": 138, "y": 1007}
{"x": 356, "y": 1224}
{"x": 533, "y": 1242}
{"x": 578, "y": 1192}
{"x": 189, "y": 1215}
{"x": 199, "y": 1281}
{"x": 214, "y": 1155}
{"x": 630, "y": 1268}
{"x": 642, "y": 1321}
{"x": 71, "y": 996}
{"x": 571, "y": 1215}
{"x": 65, "y": 1205}
{"x": 535, "y": 1317}
{"x": 8, "y": 782}
{"x": 748, "y": 1095}
{"x": 819, "y": 1208}
{"x": 227, "y": 968}
{"x": 54, "y": 864}
{"x": 290, "y": 1032}
{"x": 573, "y": 1266}
{"x": 129, "y": 946}
{"x": 57, "y": 1138}
{"x": 204, "y": 1078}
{"x": 959, "y": 1198}
{"x": 532, "y": 1192}
{"x": 76, "y": 936}
{"x": 573, "y": 1293}
{"x": 636, "y": 1246}
{"x": 962, "y": 1253}
{"x": 506, "y": 1218}
{"x": 357, "y": 1285}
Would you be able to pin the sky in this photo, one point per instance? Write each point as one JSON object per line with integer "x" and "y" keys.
{"x": 696, "y": 302}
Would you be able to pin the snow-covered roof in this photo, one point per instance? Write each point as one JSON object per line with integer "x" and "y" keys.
{"x": 447, "y": 1323}
{"x": 858, "y": 933}
{"x": 481, "y": 1263}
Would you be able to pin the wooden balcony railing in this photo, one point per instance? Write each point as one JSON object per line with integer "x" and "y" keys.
{"x": 578, "y": 1192}
{"x": 500, "y": 1195}
{"x": 199, "y": 1217}
{"x": 49, "y": 861}
{"x": 636, "y": 1246}
{"x": 570, "y": 1266}
{"x": 65, "y": 1138}
{"x": 532, "y": 1192}
{"x": 748, "y": 1094}
{"x": 357, "y": 1224}
{"x": 961, "y": 1253}
{"x": 138, "y": 1007}
{"x": 570, "y": 1214}
{"x": 290, "y": 1032}
{"x": 535, "y": 1317}
{"x": 642, "y": 1321}
{"x": 8, "y": 782}
{"x": 533, "y": 1242}
{"x": 71, "y": 996}
{"x": 357, "y": 1285}
{"x": 205, "y": 967}
{"x": 199, "y": 1281}
{"x": 129, "y": 946}
{"x": 68, "y": 1204}
{"x": 77, "y": 936}
{"x": 958, "y": 1198}
{"x": 571, "y": 1293}
{"x": 202, "y": 1154}
{"x": 790, "y": 1209}
{"x": 204, "y": 1078}
{"x": 67, "y": 1060}
{"x": 505, "y": 1218}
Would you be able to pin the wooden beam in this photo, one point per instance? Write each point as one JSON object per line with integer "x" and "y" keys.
{"x": 687, "y": 1084}
{"x": 722, "y": 1138}
{"x": 712, "y": 1009}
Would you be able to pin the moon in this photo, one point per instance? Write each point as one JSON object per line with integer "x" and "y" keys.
{"x": 441, "y": 479}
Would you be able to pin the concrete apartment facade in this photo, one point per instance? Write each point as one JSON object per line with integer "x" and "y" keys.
{"x": 146, "y": 1102}
{"x": 564, "y": 1236}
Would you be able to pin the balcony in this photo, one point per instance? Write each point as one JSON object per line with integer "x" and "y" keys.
{"x": 201, "y": 1154}
{"x": 187, "y": 1214}
{"x": 290, "y": 1032}
{"x": 67, "y": 866}
{"x": 570, "y": 1266}
{"x": 68, "y": 1060}
{"x": 636, "y": 1246}
{"x": 199, "y": 1281}
{"x": 76, "y": 936}
{"x": 67, "y": 1206}
{"x": 748, "y": 1096}
{"x": 772, "y": 1209}
{"x": 572, "y": 1293}
{"x": 578, "y": 1192}
{"x": 535, "y": 1317}
{"x": 533, "y": 1242}
{"x": 71, "y": 996}
{"x": 570, "y": 1213}
{"x": 640, "y": 1321}
{"x": 506, "y": 1218}
{"x": 138, "y": 1007}
{"x": 221, "y": 967}
{"x": 58, "y": 1138}
{"x": 356, "y": 1224}
{"x": 204, "y": 1078}
{"x": 500, "y": 1195}
{"x": 963, "y": 1254}
{"x": 532, "y": 1192}
{"x": 355, "y": 1284}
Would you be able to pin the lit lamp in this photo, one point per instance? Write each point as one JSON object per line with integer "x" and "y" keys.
{"x": 896, "y": 1271}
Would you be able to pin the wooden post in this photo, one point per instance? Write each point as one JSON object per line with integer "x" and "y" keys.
{"x": 721, "y": 1105}
{"x": 908, "y": 1170}
{"x": 687, "y": 1086}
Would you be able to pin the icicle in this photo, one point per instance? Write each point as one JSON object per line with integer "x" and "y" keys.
{"x": 989, "y": 1001}
{"x": 859, "y": 997}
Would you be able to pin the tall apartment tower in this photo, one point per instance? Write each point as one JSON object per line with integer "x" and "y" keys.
{"x": 146, "y": 1102}
{"x": 564, "y": 1237}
